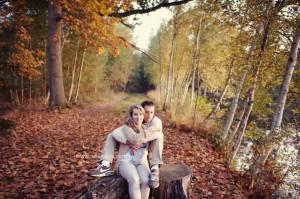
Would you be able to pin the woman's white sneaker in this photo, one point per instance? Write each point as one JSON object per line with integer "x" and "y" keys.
{"x": 101, "y": 171}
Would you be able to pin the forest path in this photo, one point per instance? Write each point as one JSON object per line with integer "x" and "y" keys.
{"x": 50, "y": 152}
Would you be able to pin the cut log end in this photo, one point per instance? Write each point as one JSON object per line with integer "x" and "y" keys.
{"x": 174, "y": 182}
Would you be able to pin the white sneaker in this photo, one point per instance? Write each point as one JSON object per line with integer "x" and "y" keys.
{"x": 101, "y": 171}
{"x": 154, "y": 179}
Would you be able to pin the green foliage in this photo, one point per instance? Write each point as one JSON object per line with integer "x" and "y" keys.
{"x": 103, "y": 72}
{"x": 140, "y": 80}
{"x": 117, "y": 70}
{"x": 204, "y": 106}
{"x": 93, "y": 76}
{"x": 294, "y": 93}
{"x": 253, "y": 132}
{"x": 263, "y": 103}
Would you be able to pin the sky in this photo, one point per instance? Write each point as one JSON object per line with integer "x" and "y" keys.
{"x": 149, "y": 25}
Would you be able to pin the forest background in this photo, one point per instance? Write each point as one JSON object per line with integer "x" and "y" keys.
{"x": 227, "y": 70}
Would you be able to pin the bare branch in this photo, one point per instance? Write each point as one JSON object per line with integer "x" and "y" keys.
{"x": 163, "y": 4}
{"x": 127, "y": 25}
{"x": 145, "y": 53}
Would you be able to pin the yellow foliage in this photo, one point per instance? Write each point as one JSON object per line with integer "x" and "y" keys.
{"x": 101, "y": 50}
{"x": 296, "y": 111}
{"x": 89, "y": 19}
{"x": 26, "y": 61}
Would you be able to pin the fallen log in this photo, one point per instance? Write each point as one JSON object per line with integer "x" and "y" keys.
{"x": 174, "y": 184}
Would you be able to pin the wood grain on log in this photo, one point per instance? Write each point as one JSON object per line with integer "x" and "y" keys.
{"x": 174, "y": 182}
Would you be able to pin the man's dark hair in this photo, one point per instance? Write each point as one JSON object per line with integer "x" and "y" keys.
{"x": 147, "y": 103}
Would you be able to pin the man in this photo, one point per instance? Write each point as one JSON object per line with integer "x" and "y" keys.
{"x": 151, "y": 133}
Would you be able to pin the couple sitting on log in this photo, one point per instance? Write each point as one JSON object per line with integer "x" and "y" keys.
{"x": 142, "y": 132}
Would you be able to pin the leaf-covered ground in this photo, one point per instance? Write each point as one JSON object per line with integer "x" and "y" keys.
{"x": 49, "y": 153}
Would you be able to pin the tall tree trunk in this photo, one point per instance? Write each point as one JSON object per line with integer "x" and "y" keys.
{"x": 160, "y": 70}
{"x": 268, "y": 142}
{"x": 217, "y": 106}
{"x": 80, "y": 74}
{"x": 195, "y": 62}
{"x": 96, "y": 84}
{"x": 229, "y": 141}
{"x": 197, "y": 97}
{"x": 235, "y": 100}
{"x": 170, "y": 68}
{"x": 22, "y": 89}
{"x": 178, "y": 91}
{"x": 243, "y": 124}
{"x": 178, "y": 69}
{"x": 204, "y": 92}
{"x": 234, "y": 104}
{"x": 54, "y": 55}
{"x": 30, "y": 90}
{"x": 186, "y": 85}
{"x": 73, "y": 72}
{"x": 12, "y": 99}
{"x": 17, "y": 100}
{"x": 193, "y": 85}
{"x": 175, "y": 82}
{"x": 68, "y": 71}
{"x": 241, "y": 127}
{"x": 172, "y": 76}
{"x": 47, "y": 97}
{"x": 44, "y": 81}
{"x": 64, "y": 35}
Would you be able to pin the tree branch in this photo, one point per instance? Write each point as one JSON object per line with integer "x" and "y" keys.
{"x": 127, "y": 25}
{"x": 142, "y": 51}
{"x": 163, "y": 4}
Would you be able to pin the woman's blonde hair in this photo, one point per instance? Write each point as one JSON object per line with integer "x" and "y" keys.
{"x": 129, "y": 120}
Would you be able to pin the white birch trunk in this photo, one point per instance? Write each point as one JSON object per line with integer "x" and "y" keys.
{"x": 186, "y": 89}
{"x": 160, "y": 70}
{"x": 217, "y": 107}
{"x": 243, "y": 124}
{"x": 231, "y": 135}
{"x": 235, "y": 100}
{"x": 169, "y": 81}
{"x": 73, "y": 72}
{"x": 80, "y": 74}
{"x": 269, "y": 144}
{"x": 195, "y": 62}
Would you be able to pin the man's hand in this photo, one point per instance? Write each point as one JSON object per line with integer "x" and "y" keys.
{"x": 132, "y": 137}
{"x": 136, "y": 146}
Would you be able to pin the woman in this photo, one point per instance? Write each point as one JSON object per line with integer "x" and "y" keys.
{"x": 132, "y": 164}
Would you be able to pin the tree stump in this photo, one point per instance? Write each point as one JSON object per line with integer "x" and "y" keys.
{"x": 174, "y": 184}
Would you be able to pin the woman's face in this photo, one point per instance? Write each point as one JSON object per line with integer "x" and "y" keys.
{"x": 137, "y": 116}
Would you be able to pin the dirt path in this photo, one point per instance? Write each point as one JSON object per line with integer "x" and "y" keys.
{"x": 50, "y": 153}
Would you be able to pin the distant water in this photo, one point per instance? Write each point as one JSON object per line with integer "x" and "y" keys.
{"x": 288, "y": 160}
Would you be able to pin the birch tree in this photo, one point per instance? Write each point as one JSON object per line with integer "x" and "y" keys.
{"x": 251, "y": 50}
{"x": 274, "y": 137}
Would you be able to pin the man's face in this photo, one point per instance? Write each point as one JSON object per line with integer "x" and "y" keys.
{"x": 149, "y": 113}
